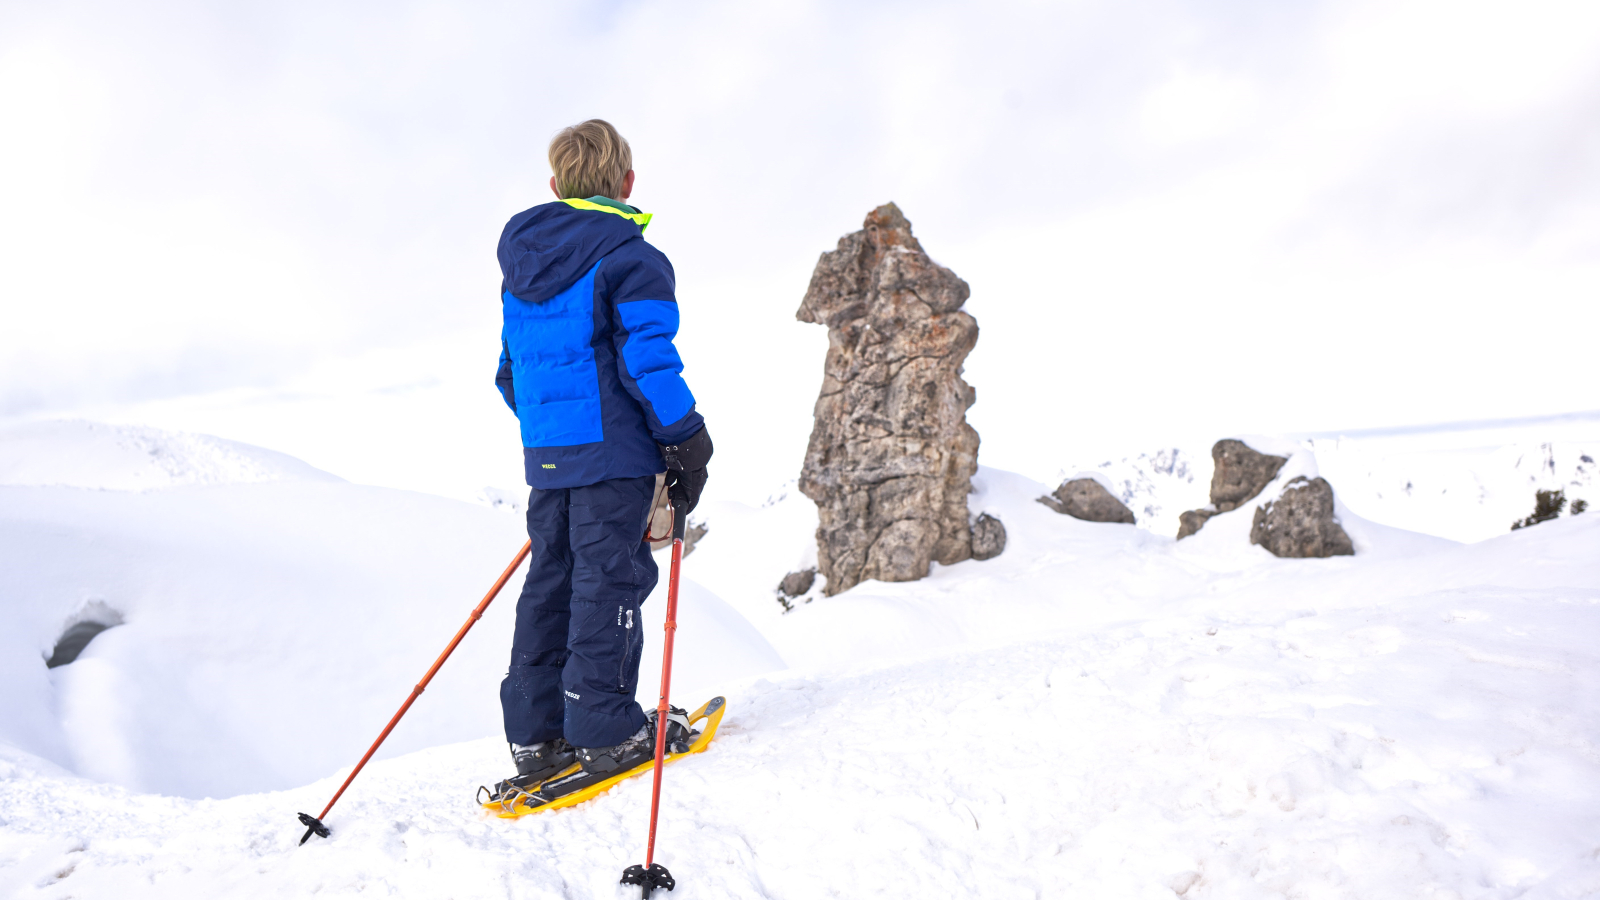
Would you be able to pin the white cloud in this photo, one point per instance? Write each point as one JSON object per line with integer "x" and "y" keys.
{"x": 1193, "y": 106}
{"x": 204, "y": 198}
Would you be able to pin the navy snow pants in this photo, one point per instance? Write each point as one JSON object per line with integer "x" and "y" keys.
{"x": 575, "y": 654}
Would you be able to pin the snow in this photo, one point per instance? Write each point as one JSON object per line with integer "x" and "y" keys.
{"x": 1465, "y": 482}
{"x": 1157, "y": 486}
{"x": 271, "y": 626}
{"x": 1467, "y": 493}
{"x": 1100, "y": 711}
{"x": 128, "y": 457}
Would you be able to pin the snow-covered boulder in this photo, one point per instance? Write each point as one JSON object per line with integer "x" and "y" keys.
{"x": 988, "y": 537}
{"x": 1239, "y": 474}
{"x": 1300, "y": 523}
{"x": 1087, "y": 499}
{"x": 796, "y": 584}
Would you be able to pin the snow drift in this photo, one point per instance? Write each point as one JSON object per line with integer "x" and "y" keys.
{"x": 269, "y": 629}
{"x": 131, "y": 458}
{"x": 1100, "y": 711}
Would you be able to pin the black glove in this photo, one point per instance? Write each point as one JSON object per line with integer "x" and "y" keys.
{"x": 686, "y": 469}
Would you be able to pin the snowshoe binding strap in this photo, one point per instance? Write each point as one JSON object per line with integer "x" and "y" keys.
{"x": 679, "y": 732}
{"x": 649, "y": 879}
{"x": 506, "y": 794}
{"x": 313, "y": 826}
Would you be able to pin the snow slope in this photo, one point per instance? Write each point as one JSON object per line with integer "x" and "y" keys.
{"x": 1101, "y": 711}
{"x": 270, "y": 629}
{"x": 132, "y": 458}
{"x": 1057, "y": 573}
{"x": 1464, "y": 492}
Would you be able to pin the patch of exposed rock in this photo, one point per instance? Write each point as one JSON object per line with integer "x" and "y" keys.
{"x": 1087, "y": 499}
{"x": 891, "y": 456}
{"x": 795, "y": 585}
{"x": 1191, "y": 521}
{"x": 1238, "y": 475}
{"x": 1300, "y": 524}
{"x": 988, "y": 537}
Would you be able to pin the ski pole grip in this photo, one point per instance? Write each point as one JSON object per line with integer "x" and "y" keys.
{"x": 680, "y": 518}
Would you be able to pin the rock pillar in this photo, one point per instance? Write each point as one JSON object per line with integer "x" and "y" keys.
{"x": 891, "y": 457}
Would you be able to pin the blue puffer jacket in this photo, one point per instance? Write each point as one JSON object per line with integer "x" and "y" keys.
{"x": 586, "y": 355}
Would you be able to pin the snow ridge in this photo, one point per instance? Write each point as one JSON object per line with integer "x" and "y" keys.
{"x": 81, "y": 454}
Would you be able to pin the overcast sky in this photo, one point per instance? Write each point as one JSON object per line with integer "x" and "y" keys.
{"x": 276, "y": 222}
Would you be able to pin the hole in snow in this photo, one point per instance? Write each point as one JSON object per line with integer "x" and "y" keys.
{"x": 93, "y": 618}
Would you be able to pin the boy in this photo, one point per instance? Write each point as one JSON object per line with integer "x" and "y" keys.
{"x": 587, "y": 364}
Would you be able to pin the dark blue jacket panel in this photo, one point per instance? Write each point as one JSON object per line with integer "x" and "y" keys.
{"x": 545, "y": 249}
{"x": 587, "y": 360}
{"x": 502, "y": 377}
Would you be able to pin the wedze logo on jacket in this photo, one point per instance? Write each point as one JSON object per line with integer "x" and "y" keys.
{"x": 586, "y": 355}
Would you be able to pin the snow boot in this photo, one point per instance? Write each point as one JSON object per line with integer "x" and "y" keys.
{"x": 536, "y": 763}
{"x": 640, "y": 747}
{"x": 543, "y": 759}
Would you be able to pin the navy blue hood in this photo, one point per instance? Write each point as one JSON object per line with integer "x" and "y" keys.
{"x": 546, "y": 249}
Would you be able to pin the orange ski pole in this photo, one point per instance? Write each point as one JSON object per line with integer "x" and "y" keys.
{"x": 652, "y": 875}
{"x": 314, "y": 823}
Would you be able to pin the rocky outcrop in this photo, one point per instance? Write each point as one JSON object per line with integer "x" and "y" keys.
{"x": 891, "y": 456}
{"x": 1238, "y": 475}
{"x": 1087, "y": 499}
{"x": 1300, "y": 524}
{"x": 794, "y": 586}
{"x": 1191, "y": 521}
{"x": 988, "y": 537}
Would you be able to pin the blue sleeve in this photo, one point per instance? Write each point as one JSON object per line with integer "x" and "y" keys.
{"x": 502, "y": 378}
{"x": 647, "y": 323}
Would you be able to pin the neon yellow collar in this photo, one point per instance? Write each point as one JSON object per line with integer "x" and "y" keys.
{"x": 640, "y": 219}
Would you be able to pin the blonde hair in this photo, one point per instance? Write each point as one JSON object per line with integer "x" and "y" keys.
{"x": 589, "y": 159}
